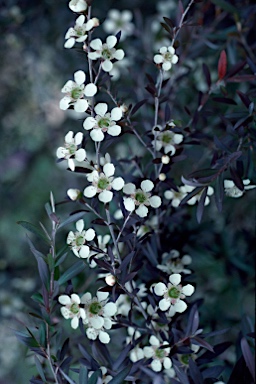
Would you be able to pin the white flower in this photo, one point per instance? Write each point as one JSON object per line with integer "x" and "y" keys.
{"x": 166, "y": 57}
{"x": 136, "y": 354}
{"x": 77, "y": 240}
{"x": 79, "y": 32}
{"x": 196, "y": 198}
{"x": 103, "y": 122}
{"x": 103, "y": 182}
{"x": 102, "y": 242}
{"x": 71, "y": 309}
{"x": 233, "y": 191}
{"x": 78, "y": 5}
{"x": 167, "y": 140}
{"x": 141, "y": 198}
{"x": 173, "y": 263}
{"x": 159, "y": 355}
{"x": 173, "y": 294}
{"x": 106, "y": 52}
{"x": 71, "y": 151}
{"x": 119, "y": 20}
{"x": 177, "y": 196}
{"x": 76, "y": 91}
{"x": 98, "y": 315}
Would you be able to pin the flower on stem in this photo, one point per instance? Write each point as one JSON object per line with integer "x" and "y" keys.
{"x": 103, "y": 122}
{"x": 76, "y": 91}
{"x": 77, "y": 240}
{"x": 159, "y": 355}
{"x": 119, "y": 21}
{"x": 173, "y": 263}
{"x": 78, "y": 5}
{"x": 102, "y": 242}
{"x": 79, "y": 32}
{"x": 102, "y": 183}
{"x": 233, "y": 191}
{"x": 71, "y": 309}
{"x": 70, "y": 151}
{"x": 167, "y": 140}
{"x": 166, "y": 57}
{"x": 140, "y": 198}
{"x": 106, "y": 52}
{"x": 98, "y": 315}
{"x": 173, "y": 293}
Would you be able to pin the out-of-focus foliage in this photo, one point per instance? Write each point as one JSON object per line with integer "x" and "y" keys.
{"x": 34, "y": 67}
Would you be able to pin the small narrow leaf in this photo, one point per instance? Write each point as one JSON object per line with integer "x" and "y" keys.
{"x": 72, "y": 218}
{"x": 119, "y": 378}
{"x": 200, "y": 207}
{"x": 207, "y": 75}
{"x": 222, "y": 65}
{"x": 32, "y": 228}
{"x": 73, "y": 271}
{"x": 83, "y": 375}
{"x": 248, "y": 357}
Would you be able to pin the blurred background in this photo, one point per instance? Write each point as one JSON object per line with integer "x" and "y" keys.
{"x": 34, "y": 67}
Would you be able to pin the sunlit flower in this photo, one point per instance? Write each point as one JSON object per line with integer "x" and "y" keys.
{"x": 78, "y": 34}
{"x": 70, "y": 151}
{"x": 77, "y": 93}
{"x": 119, "y": 21}
{"x": 140, "y": 198}
{"x": 173, "y": 293}
{"x": 103, "y": 122}
{"x": 77, "y": 240}
{"x": 159, "y": 355}
{"x": 233, "y": 191}
{"x": 72, "y": 309}
{"x": 78, "y": 5}
{"x": 106, "y": 52}
{"x": 173, "y": 263}
{"x": 103, "y": 182}
{"x": 166, "y": 57}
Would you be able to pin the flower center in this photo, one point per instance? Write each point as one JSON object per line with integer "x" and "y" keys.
{"x": 76, "y": 93}
{"x": 104, "y": 122}
{"x": 79, "y": 241}
{"x": 106, "y": 53}
{"x": 74, "y": 308}
{"x": 79, "y": 31}
{"x": 103, "y": 183}
{"x": 95, "y": 308}
{"x": 72, "y": 149}
{"x": 140, "y": 197}
{"x": 166, "y": 137}
{"x": 185, "y": 359}
{"x": 174, "y": 293}
{"x": 168, "y": 56}
{"x": 160, "y": 353}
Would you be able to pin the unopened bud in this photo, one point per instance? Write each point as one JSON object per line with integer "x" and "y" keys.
{"x": 162, "y": 176}
{"x": 124, "y": 108}
{"x": 110, "y": 280}
{"x": 165, "y": 159}
{"x": 96, "y": 22}
{"x": 73, "y": 194}
{"x": 156, "y": 128}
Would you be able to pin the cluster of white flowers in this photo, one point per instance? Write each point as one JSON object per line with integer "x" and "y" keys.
{"x": 173, "y": 294}
{"x": 78, "y": 34}
{"x": 96, "y": 313}
{"x": 177, "y": 196}
{"x": 173, "y": 263}
{"x": 140, "y": 198}
{"x": 119, "y": 21}
{"x": 71, "y": 151}
{"x": 166, "y": 139}
{"x": 233, "y": 191}
{"x": 77, "y": 240}
{"x": 166, "y": 58}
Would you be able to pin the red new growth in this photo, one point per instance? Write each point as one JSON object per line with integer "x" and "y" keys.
{"x": 222, "y": 65}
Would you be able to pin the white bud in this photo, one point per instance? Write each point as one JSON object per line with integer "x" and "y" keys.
{"x": 110, "y": 280}
{"x": 162, "y": 177}
{"x": 73, "y": 193}
{"x": 165, "y": 159}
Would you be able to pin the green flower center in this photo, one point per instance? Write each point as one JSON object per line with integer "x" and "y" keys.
{"x": 72, "y": 148}
{"x": 168, "y": 56}
{"x": 103, "y": 183}
{"x": 174, "y": 293}
{"x": 106, "y": 54}
{"x": 140, "y": 197}
{"x": 79, "y": 241}
{"x": 74, "y": 308}
{"x": 166, "y": 137}
{"x": 95, "y": 308}
{"x": 80, "y": 31}
{"x": 104, "y": 122}
{"x": 185, "y": 359}
{"x": 76, "y": 93}
{"x": 160, "y": 353}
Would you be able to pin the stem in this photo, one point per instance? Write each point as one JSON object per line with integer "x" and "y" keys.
{"x": 49, "y": 354}
{"x": 113, "y": 235}
{"x": 123, "y": 227}
{"x": 177, "y": 30}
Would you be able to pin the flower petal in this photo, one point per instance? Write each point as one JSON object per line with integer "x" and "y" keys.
{"x": 96, "y": 44}
{"x": 89, "y": 234}
{"x": 79, "y": 76}
{"x": 109, "y": 169}
{"x": 164, "y": 304}
{"x": 129, "y": 204}
{"x": 160, "y": 289}
{"x": 101, "y": 109}
{"x": 180, "y": 306}
{"x": 81, "y": 105}
{"x": 89, "y": 123}
{"x": 104, "y": 337}
{"x": 116, "y": 114}
{"x": 111, "y": 41}
{"x": 118, "y": 54}
{"x": 102, "y": 295}
{"x": 156, "y": 365}
{"x": 97, "y": 135}
{"x": 110, "y": 309}
{"x": 74, "y": 322}
{"x": 64, "y": 300}
{"x": 154, "y": 341}
{"x": 107, "y": 65}
{"x": 118, "y": 183}
{"x": 97, "y": 322}
{"x": 90, "y": 191}
{"x": 90, "y": 90}
{"x": 142, "y": 211}
{"x": 175, "y": 278}
{"x": 188, "y": 290}
{"x": 75, "y": 298}
{"x": 147, "y": 185}
{"x": 114, "y": 130}
{"x": 84, "y": 251}
{"x": 155, "y": 201}
{"x": 129, "y": 188}
{"x": 105, "y": 196}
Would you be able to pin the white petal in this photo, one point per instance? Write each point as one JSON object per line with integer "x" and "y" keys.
{"x": 119, "y": 54}
{"x": 80, "y": 154}
{"x": 97, "y": 322}
{"x": 107, "y": 65}
{"x": 75, "y": 298}
{"x": 177, "y": 138}
{"x": 109, "y": 169}
{"x": 180, "y": 306}
{"x": 148, "y": 352}
{"x": 96, "y": 44}
{"x": 147, "y": 185}
{"x": 105, "y": 196}
{"x": 90, "y": 90}
{"x": 82, "y": 313}
{"x": 64, "y": 299}
{"x": 61, "y": 152}
{"x": 65, "y": 312}
{"x": 188, "y": 290}
{"x": 97, "y": 135}
{"x": 116, "y": 114}
{"x": 175, "y": 278}
{"x": 104, "y": 337}
{"x": 84, "y": 251}
{"x": 167, "y": 363}
{"x": 80, "y": 225}
{"x": 155, "y": 201}
{"x": 142, "y": 211}
{"x": 90, "y": 191}
{"x": 168, "y": 195}
{"x": 163, "y": 50}
{"x": 80, "y": 20}
{"x": 86, "y": 298}
{"x": 89, "y": 123}
{"x": 70, "y": 43}
{"x": 156, "y": 365}
{"x": 164, "y": 304}
{"x": 160, "y": 289}
{"x": 89, "y": 234}
{"x": 118, "y": 183}
{"x": 74, "y": 322}
{"x": 129, "y": 204}
{"x": 69, "y": 137}
{"x": 107, "y": 323}
{"x": 102, "y": 295}
{"x": 79, "y": 77}
{"x": 210, "y": 191}
{"x": 111, "y": 41}
{"x": 110, "y": 309}
{"x": 175, "y": 59}
{"x": 101, "y": 109}
{"x": 93, "y": 55}
{"x": 78, "y": 138}
{"x": 154, "y": 341}
{"x": 158, "y": 59}
{"x": 91, "y": 333}
{"x": 114, "y": 130}
{"x": 81, "y": 105}
{"x": 129, "y": 188}
{"x": 228, "y": 184}
{"x": 77, "y": 5}
{"x": 166, "y": 66}
{"x": 64, "y": 103}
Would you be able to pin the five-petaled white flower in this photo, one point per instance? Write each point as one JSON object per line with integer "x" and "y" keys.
{"x": 79, "y": 32}
{"x": 71, "y": 151}
{"x": 173, "y": 263}
{"x": 140, "y": 198}
{"x": 76, "y": 92}
{"x": 103, "y": 182}
{"x": 103, "y": 122}
{"x": 72, "y": 309}
{"x": 173, "y": 293}
{"x": 158, "y": 354}
{"x": 167, "y": 140}
{"x": 119, "y": 21}
{"x": 233, "y": 191}
{"x": 98, "y": 315}
{"x": 78, "y": 5}
{"x": 106, "y": 52}
{"x": 166, "y": 57}
{"x": 77, "y": 240}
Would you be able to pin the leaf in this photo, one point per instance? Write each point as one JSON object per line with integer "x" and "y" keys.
{"x": 200, "y": 207}
{"x": 83, "y": 375}
{"x": 207, "y": 75}
{"x": 241, "y": 78}
{"x": 213, "y": 372}
{"x": 43, "y": 272}
{"x": 72, "y": 218}
{"x": 190, "y": 195}
{"x": 73, "y": 271}
{"x": 195, "y": 372}
{"x": 39, "y": 368}
{"x": 33, "y": 229}
{"x": 168, "y": 21}
{"x": 248, "y": 357}
{"x": 122, "y": 356}
{"x": 167, "y": 28}
{"x": 203, "y": 343}
{"x": 119, "y": 378}
{"x": 69, "y": 380}
{"x": 219, "y": 192}
{"x": 222, "y": 65}
{"x": 35, "y": 252}
{"x": 137, "y": 106}
{"x": 224, "y": 100}
{"x": 244, "y": 98}
{"x": 94, "y": 378}
{"x": 225, "y": 6}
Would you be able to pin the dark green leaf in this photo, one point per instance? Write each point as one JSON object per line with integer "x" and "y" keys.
{"x": 72, "y": 218}
{"x": 32, "y": 228}
{"x": 119, "y": 378}
{"x": 83, "y": 375}
{"x": 94, "y": 378}
{"x": 39, "y": 368}
{"x": 73, "y": 271}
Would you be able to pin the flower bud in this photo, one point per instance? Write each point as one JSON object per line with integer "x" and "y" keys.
{"x": 165, "y": 159}
{"x": 110, "y": 280}
{"x": 73, "y": 194}
{"x": 162, "y": 176}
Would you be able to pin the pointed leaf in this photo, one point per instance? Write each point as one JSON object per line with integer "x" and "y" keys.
{"x": 222, "y": 65}
{"x": 32, "y": 228}
{"x": 72, "y": 218}
{"x": 73, "y": 271}
{"x": 248, "y": 357}
{"x": 83, "y": 375}
{"x": 120, "y": 377}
